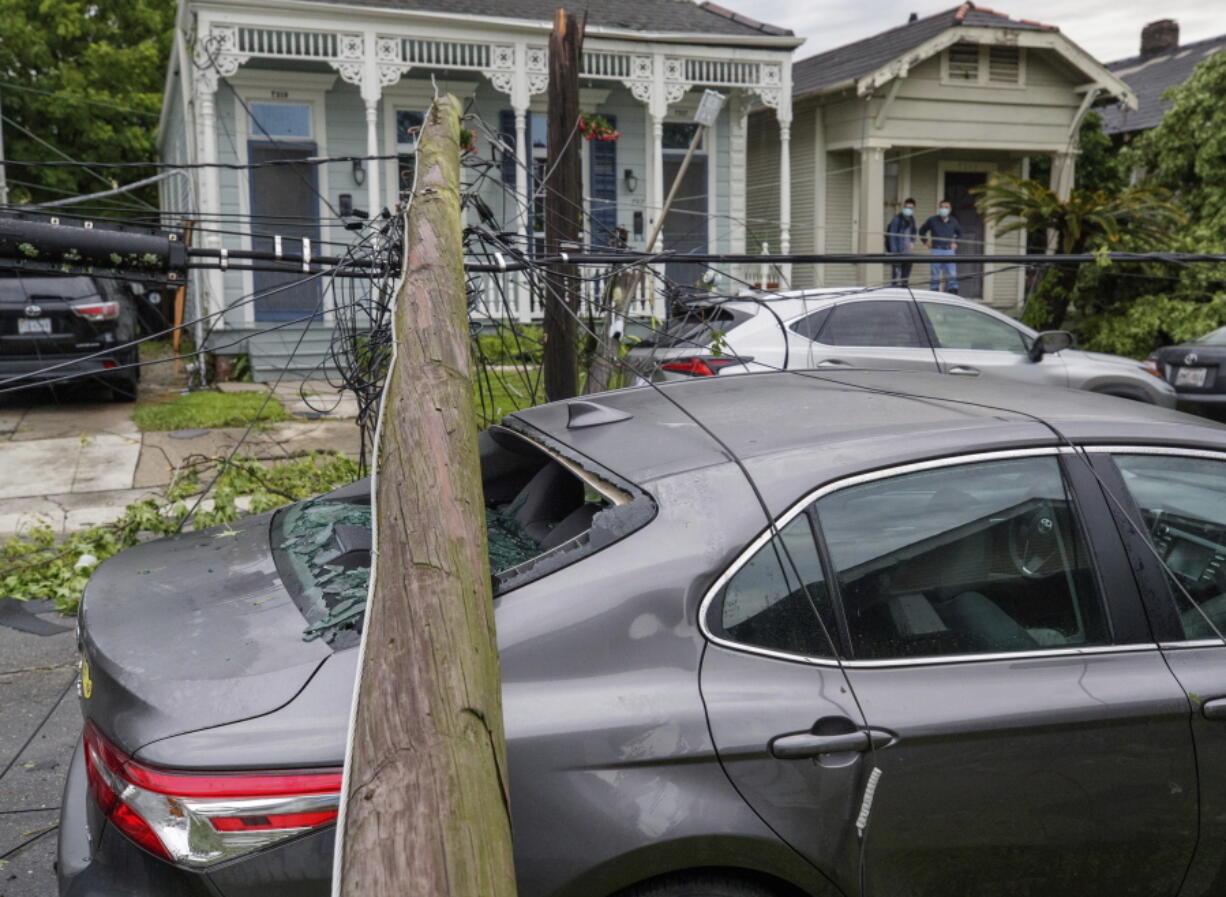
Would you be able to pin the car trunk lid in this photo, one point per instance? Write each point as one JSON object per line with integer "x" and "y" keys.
{"x": 192, "y": 632}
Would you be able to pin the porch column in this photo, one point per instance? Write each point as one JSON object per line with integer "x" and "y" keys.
{"x": 785, "y": 188}
{"x": 872, "y": 204}
{"x": 655, "y": 164}
{"x": 738, "y": 117}
{"x": 1063, "y": 167}
{"x": 523, "y": 163}
{"x": 374, "y": 196}
{"x": 209, "y": 186}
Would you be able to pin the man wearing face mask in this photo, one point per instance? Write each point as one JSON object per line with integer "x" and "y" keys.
{"x": 941, "y": 232}
{"x": 900, "y": 240}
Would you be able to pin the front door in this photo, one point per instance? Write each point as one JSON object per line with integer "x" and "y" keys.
{"x": 958, "y": 187}
{"x": 284, "y": 202}
{"x": 685, "y": 227}
{"x": 971, "y": 343}
{"x": 1028, "y": 735}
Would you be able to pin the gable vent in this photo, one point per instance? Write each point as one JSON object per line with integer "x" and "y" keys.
{"x": 1004, "y": 65}
{"x": 964, "y": 62}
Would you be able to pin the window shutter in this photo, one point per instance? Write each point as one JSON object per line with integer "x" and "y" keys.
{"x": 1004, "y": 65}
{"x": 506, "y": 130}
{"x": 604, "y": 188}
{"x": 964, "y": 62}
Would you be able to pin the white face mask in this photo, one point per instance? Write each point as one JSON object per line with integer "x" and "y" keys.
{"x": 906, "y": 212}
{"x": 944, "y": 213}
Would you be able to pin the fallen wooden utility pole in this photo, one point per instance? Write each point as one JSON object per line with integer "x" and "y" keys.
{"x": 426, "y": 808}
{"x": 563, "y": 208}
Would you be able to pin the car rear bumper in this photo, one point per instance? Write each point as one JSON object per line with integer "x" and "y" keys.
{"x": 1202, "y": 399}
{"x": 36, "y": 369}
{"x": 96, "y": 860}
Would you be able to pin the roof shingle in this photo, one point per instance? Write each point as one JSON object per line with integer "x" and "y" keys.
{"x": 659, "y": 16}
{"x": 855, "y": 60}
{"x": 1150, "y": 77}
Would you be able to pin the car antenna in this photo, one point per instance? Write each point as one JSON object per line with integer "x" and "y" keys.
{"x": 582, "y": 413}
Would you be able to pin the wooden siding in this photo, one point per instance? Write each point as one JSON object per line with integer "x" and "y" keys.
{"x": 804, "y": 185}
{"x": 762, "y": 182}
{"x": 1035, "y": 116}
{"x": 841, "y": 167}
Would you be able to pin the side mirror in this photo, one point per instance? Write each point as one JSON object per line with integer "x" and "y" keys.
{"x": 1050, "y": 341}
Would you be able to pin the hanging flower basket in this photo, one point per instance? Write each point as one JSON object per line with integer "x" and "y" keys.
{"x": 468, "y": 140}
{"x": 597, "y": 127}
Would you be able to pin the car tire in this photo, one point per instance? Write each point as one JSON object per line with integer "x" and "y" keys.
{"x": 123, "y": 390}
{"x": 703, "y": 884}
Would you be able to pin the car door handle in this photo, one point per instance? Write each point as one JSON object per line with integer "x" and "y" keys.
{"x": 1215, "y": 709}
{"x": 833, "y": 363}
{"x": 963, "y": 370}
{"x": 806, "y": 744}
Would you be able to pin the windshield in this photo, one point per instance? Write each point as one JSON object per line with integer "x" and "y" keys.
{"x": 21, "y": 289}
{"x": 1212, "y": 338}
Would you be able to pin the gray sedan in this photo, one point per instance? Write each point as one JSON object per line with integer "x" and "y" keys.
{"x": 913, "y": 641}
{"x": 890, "y": 329}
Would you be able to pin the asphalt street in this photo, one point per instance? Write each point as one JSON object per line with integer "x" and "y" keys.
{"x": 38, "y": 705}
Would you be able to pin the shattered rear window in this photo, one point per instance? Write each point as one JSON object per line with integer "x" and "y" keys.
{"x": 543, "y": 511}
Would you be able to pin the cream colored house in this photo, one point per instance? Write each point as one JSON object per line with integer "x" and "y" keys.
{"x": 926, "y": 110}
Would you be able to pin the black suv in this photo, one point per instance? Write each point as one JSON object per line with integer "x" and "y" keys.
{"x": 56, "y": 326}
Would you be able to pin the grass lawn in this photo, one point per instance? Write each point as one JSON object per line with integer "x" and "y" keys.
{"x": 208, "y": 409}
{"x": 497, "y": 393}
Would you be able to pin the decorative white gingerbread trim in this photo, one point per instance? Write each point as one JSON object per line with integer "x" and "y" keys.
{"x": 216, "y": 56}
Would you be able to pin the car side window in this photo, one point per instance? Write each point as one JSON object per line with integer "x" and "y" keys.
{"x": 964, "y": 328}
{"x": 872, "y": 323}
{"x": 980, "y": 558}
{"x": 769, "y": 602}
{"x": 811, "y": 325}
{"x": 1183, "y": 504}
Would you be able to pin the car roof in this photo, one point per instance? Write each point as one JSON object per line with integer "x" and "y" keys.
{"x": 795, "y": 302}
{"x": 816, "y": 424}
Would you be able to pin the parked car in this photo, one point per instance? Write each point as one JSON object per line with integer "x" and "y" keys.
{"x": 1195, "y": 369}
{"x": 885, "y": 329}
{"x": 695, "y": 701}
{"x": 55, "y": 326}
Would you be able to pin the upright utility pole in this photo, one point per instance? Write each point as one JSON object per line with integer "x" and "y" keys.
{"x": 563, "y": 189}
{"x": 426, "y": 809}
{"x": 4, "y": 181}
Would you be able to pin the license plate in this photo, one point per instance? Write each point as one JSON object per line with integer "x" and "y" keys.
{"x": 1191, "y": 376}
{"x": 33, "y": 325}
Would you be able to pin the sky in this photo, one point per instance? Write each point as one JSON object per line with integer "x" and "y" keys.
{"x": 1107, "y": 29}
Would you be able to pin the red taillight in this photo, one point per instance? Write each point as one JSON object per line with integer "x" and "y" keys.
{"x": 198, "y": 820}
{"x": 701, "y": 365}
{"x": 1153, "y": 366}
{"x": 96, "y": 310}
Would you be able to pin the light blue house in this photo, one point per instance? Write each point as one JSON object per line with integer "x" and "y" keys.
{"x": 253, "y": 80}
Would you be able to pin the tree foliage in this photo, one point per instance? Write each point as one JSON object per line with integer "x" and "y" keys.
{"x": 85, "y": 77}
{"x": 1185, "y": 154}
{"x": 1088, "y": 221}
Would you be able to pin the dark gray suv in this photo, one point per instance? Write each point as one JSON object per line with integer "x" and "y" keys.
{"x": 953, "y": 665}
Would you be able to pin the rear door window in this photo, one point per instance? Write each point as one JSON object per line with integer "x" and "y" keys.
{"x": 872, "y": 323}
{"x": 979, "y": 558}
{"x": 773, "y": 599}
{"x": 1183, "y": 504}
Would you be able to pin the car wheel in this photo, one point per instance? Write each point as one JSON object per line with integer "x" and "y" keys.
{"x": 123, "y": 390}
{"x": 702, "y": 885}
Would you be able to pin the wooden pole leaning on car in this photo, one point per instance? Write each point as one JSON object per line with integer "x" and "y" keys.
{"x": 426, "y": 808}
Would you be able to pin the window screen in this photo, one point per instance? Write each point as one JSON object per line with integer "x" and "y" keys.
{"x": 1183, "y": 503}
{"x": 874, "y": 323}
{"x": 977, "y": 558}
{"x": 964, "y": 328}
{"x": 764, "y": 604}
{"x": 1004, "y": 65}
{"x": 964, "y": 62}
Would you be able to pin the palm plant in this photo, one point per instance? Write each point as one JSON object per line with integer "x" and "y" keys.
{"x": 1138, "y": 218}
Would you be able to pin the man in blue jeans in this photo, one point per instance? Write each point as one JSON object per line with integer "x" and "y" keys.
{"x": 941, "y": 232}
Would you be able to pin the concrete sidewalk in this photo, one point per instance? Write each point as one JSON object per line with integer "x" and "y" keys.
{"x": 80, "y": 463}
